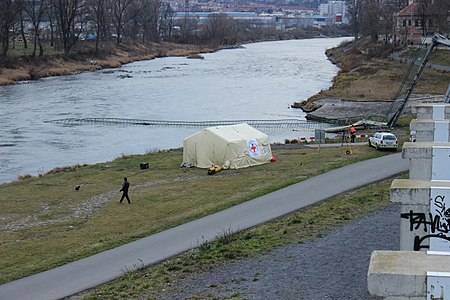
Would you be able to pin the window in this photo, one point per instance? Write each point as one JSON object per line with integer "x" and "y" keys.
{"x": 389, "y": 137}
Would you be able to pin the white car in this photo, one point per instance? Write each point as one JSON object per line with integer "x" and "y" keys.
{"x": 383, "y": 140}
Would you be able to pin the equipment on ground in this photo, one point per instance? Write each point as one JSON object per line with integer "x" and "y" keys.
{"x": 349, "y": 150}
{"x": 213, "y": 170}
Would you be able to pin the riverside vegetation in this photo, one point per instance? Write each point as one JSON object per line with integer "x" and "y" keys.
{"x": 22, "y": 67}
{"x": 365, "y": 67}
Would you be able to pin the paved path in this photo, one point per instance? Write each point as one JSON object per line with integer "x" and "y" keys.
{"x": 106, "y": 266}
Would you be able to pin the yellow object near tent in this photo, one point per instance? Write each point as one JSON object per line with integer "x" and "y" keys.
{"x": 233, "y": 146}
{"x": 213, "y": 170}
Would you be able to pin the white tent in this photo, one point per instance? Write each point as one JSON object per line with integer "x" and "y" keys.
{"x": 234, "y": 146}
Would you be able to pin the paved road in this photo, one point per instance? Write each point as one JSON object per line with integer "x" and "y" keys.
{"x": 106, "y": 266}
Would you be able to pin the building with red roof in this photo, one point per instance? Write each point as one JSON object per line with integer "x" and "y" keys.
{"x": 413, "y": 23}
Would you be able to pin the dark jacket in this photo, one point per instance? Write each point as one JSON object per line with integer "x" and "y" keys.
{"x": 125, "y": 187}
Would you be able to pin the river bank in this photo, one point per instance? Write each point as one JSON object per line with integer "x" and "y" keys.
{"x": 368, "y": 80}
{"x": 361, "y": 74}
{"x": 331, "y": 110}
{"x": 22, "y": 68}
{"x": 222, "y": 86}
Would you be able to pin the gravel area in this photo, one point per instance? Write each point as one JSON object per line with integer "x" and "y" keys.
{"x": 331, "y": 267}
{"x": 331, "y": 109}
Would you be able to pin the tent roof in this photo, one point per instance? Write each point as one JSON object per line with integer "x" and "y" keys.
{"x": 236, "y": 132}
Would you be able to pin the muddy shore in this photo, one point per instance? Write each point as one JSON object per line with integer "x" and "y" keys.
{"x": 331, "y": 110}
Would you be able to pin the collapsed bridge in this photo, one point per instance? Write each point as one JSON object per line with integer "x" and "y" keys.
{"x": 267, "y": 124}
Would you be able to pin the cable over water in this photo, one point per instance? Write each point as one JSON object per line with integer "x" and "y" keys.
{"x": 273, "y": 124}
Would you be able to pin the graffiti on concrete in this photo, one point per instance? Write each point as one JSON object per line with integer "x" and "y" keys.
{"x": 432, "y": 227}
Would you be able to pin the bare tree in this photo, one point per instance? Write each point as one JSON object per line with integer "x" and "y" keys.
{"x": 70, "y": 17}
{"x": 370, "y": 21}
{"x": 22, "y": 31}
{"x": 123, "y": 12}
{"x": 422, "y": 18}
{"x": 51, "y": 16}
{"x": 167, "y": 22}
{"x": 387, "y": 20}
{"x": 187, "y": 27}
{"x": 99, "y": 11}
{"x": 35, "y": 10}
{"x": 150, "y": 20}
{"x": 218, "y": 27}
{"x": 9, "y": 9}
{"x": 238, "y": 31}
{"x": 355, "y": 9}
{"x": 439, "y": 15}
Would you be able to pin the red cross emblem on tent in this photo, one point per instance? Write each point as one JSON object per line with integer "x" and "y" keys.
{"x": 253, "y": 148}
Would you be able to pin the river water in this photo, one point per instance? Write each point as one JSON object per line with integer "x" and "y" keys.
{"x": 258, "y": 82}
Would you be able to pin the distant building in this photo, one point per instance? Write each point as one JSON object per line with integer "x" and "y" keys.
{"x": 413, "y": 23}
{"x": 334, "y": 9}
{"x": 321, "y": 21}
{"x": 324, "y": 9}
{"x": 202, "y": 17}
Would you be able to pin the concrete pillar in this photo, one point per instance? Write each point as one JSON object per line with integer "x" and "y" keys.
{"x": 415, "y": 197}
{"x": 402, "y": 275}
{"x": 429, "y": 111}
{"x": 423, "y": 166}
{"x": 430, "y": 131}
{"x": 415, "y": 272}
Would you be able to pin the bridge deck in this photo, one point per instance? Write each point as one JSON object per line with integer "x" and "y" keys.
{"x": 273, "y": 124}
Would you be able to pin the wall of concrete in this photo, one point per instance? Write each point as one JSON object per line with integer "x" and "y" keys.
{"x": 424, "y": 218}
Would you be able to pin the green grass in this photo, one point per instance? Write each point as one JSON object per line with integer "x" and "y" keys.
{"x": 18, "y": 49}
{"x": 45, "y": 222}
{"x": 299, "y": 227}
{"x": 439, "y": 56}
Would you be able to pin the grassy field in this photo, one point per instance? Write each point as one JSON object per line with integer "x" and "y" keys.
{"x": 363, "y": 82}
{"x": 438, "y": 56}
{"x": 314, "y": 221}
{"x": 45, "y": 222}
{"x": 361, "y": 75}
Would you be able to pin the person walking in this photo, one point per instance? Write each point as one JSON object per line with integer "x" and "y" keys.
{"x": 124, "y": 189}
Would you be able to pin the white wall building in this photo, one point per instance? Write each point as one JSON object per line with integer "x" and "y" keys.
{"x": 324, "y": 9}
{"x": 334, "y": 8}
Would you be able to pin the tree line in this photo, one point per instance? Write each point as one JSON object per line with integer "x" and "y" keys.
{"x": 66, "y": 21}
{"x": 63, "y": 23}
{"x": 375, "y": 18}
